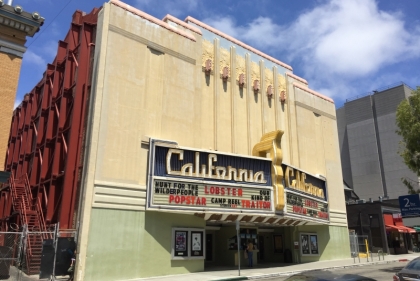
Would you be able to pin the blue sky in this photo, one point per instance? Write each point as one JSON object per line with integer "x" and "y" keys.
{"x": 343, "y": 48}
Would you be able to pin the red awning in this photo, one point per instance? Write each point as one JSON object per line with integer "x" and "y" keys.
{"x": 389, "y": 223}
{"x": 397, "y": 228}
{"x": 408, "y": 229}
{"x": 388, "y": 219}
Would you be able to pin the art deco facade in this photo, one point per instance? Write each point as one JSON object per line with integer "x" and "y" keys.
{"x": 183, "y": 132}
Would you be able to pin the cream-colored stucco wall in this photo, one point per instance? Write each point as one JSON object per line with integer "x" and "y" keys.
{"x": 149, "y": 82}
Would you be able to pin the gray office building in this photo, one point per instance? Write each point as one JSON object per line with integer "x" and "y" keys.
{"x": 369, "y": 144}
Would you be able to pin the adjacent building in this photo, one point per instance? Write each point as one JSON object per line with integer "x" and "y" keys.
{"x": 169, "y": 145}
{"x": 15, "y": 25}
{"x": 369, "y": 144}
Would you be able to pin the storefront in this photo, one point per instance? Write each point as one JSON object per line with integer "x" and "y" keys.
{"x": 225, "y": 188}
{"x": 380, "y": 222}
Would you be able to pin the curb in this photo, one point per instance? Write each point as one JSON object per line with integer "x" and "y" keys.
{"x": 232, "y": 278}
{"x": 271, "y": 275}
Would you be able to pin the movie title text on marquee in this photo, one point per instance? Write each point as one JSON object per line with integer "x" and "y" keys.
{"x": 210, "y": 196}
{"x": 306, "y": 207}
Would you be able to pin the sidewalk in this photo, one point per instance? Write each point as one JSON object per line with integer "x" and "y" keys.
{"x": 260, "y": 272}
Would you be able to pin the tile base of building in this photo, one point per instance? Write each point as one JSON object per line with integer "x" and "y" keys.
{"x": 138, "y": 244}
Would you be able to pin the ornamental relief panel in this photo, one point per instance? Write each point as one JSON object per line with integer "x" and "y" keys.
{"x": 224, "y": 63}
{"x": 241, "y": 71}
{"x": 255, "y": 77}
{"x": 269, "y": 82}
{"x": 207, "y": 60}
{"x": 282, "y": 87}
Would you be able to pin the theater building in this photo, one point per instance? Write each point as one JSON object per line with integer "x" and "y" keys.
{"x": 188, "y": 133}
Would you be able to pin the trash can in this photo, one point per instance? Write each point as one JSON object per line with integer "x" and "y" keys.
{"x": 288, "y": 256}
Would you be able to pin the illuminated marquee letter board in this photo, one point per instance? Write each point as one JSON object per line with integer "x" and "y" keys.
{"x": 183, "y": 178}
{"x": 306, "y": 195}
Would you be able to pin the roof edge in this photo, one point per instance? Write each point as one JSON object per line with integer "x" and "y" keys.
{"x": 297, "y": 78}
{"x": 243, "y": 45}
{"x": 152, "y": 19}
{"x": 313, "y": 92}
{"x": 182, "y": 23}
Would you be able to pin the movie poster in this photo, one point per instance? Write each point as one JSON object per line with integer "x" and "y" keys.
{"x": 181, "y": 240}
{"x": 314, "y": 245}
{"x": 304, "y": 241}
{"x": 197, "y": 244}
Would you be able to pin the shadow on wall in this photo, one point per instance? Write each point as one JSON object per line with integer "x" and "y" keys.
{"x": 159, "y": 225}
{"x": 324, "y": 238}
{"x": 207, "y": 80}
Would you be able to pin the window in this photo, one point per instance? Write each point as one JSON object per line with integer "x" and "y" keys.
{"x": 414, "y": 265}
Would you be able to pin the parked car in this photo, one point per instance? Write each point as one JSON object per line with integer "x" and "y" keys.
{"x": 410, "y": 272}
{"x": 319, "y": 275}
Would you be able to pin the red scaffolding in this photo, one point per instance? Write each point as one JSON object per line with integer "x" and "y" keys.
{"x": 45, "y": 150}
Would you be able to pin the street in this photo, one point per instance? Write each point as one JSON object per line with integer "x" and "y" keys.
{"x": 380, "y": 272}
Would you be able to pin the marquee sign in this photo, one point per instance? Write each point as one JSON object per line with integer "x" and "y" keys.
{"x": 306, "y": 206}
{"x": 304, "y": 183}
{"x": 177, "y": 193}
{"x": 190, "y": 179}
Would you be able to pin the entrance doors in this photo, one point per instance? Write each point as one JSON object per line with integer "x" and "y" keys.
{"x": 209, "y": 247}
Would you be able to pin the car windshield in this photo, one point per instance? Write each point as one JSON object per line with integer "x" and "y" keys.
{"x": 414, "y": 265}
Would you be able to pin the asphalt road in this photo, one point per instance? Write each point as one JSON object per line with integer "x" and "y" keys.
{"x": 380, "y": 272}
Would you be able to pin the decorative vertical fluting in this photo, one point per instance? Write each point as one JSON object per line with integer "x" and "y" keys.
{"x": 249, "y": 83}
{"x": 216, "y": 87}
{"x": 233, "y": 90}
{"x": 276, "y": 94}
{"x": 271, "y": 143}
{"x": 262, "y": 92}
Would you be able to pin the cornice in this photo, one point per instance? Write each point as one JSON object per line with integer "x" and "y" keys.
{"x": 150, "y": 18}
{"x": 11, "y": 48}
{"x": 297, "y": 78}
{"x": 22, "y": 21}
{"x": 182, "y": 23}
{"x": 297, "y": 85}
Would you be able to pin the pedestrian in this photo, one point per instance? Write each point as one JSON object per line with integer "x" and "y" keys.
{"x": 72, "y": 264}
{"x": 250, "y": 249}
{"x": 396, "y": 245}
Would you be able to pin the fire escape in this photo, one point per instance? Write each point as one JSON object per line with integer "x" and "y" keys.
{"x": 45, "y": 150}
{"x": 31, "y": 215}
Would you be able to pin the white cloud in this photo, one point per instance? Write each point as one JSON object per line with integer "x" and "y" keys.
{"x": 32, "y": 58}
{"x": 336, "y": 42}
{"x": 351, "y": 37}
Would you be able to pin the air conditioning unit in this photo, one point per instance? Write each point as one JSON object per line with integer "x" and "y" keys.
{"x": 361, "y": 201}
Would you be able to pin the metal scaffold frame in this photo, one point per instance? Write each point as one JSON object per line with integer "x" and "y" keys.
{"x": 45, "y": 149}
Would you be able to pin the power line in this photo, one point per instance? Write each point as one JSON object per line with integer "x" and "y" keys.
{"x": 45, "y": 28}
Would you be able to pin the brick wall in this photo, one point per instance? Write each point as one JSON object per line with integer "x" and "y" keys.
{"x": 9, "y": 76}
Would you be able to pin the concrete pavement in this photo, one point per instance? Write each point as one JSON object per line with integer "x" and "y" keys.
{"x": 261, "y": 271}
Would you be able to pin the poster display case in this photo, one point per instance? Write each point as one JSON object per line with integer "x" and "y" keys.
{"x": 309, "y": 244}
{"x": 187, "y": 243}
